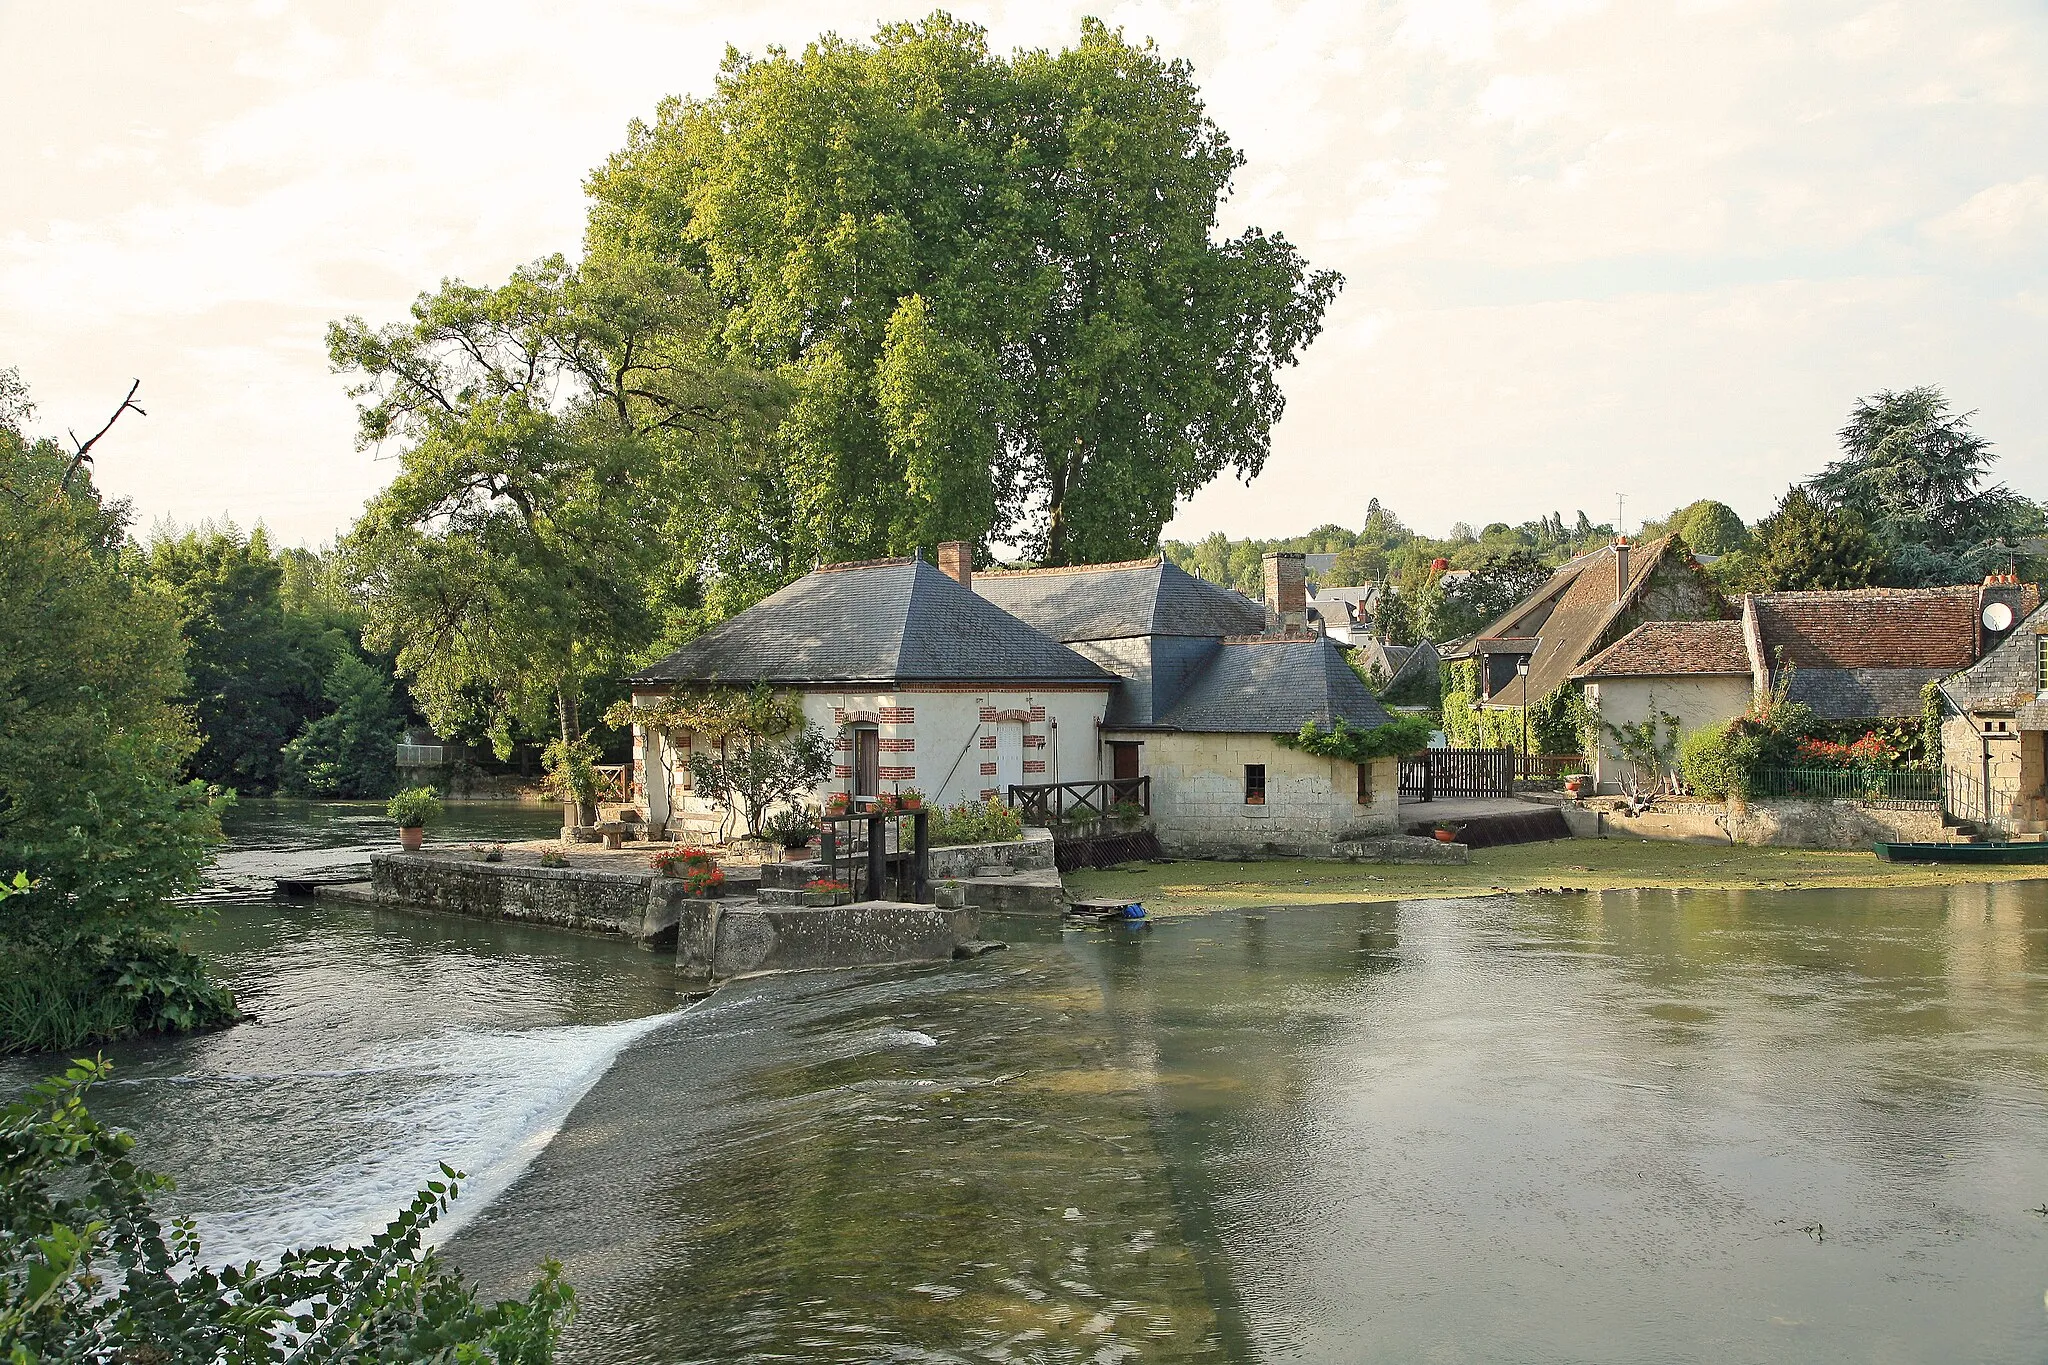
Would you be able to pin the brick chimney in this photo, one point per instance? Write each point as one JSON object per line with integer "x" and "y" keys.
{"x": 1286, "y": 589}
{"x": 1998, "y": 588}
{"x": 1620, "y": 568}
{"x": 956, "y": 561}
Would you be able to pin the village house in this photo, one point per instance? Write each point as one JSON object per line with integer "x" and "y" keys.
{"x": 1994, "y": 734}
{"x": 1587, "y": 604}
{"x": 970, "y": 686}
{"x": 1865, "y": 654}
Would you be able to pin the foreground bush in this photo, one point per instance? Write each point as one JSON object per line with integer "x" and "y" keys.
{"x": 104, "y": 989}
{"x": 90, "y": 1273}
{"x": 975, "y": 822}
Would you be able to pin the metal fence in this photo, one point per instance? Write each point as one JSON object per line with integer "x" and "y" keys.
{"x": 1877, "y": 786}
{"x": 419, "y": 756}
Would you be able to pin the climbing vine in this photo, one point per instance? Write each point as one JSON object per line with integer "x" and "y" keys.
{"x": 1402, "y": 735}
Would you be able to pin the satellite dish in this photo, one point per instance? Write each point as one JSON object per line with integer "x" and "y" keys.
{"x": 1997, "y": 616}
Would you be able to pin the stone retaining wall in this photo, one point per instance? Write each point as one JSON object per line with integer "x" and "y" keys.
{"x": 568, "y": 898}
{"x": 1781, "y": 824}
{"x": 1034, "y": 852}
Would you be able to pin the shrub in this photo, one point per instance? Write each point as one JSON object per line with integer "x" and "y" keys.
{"x": 102, "y": 989}
{"x": 414, "y": 808}
{"x": 792, "y": 827}
{"x": 1400, "y": 736}
{"x": 553, "y": 857}
{"x": 971, "y": 822}
{"x": 1706, "y": 764}
{"x": 90, "y": 1270}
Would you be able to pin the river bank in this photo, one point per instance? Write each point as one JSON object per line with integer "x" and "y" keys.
{"x": 1577, "y": 864}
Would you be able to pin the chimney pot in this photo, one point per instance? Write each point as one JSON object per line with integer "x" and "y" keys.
{"x": 956, "y": 561}
{"x": 1620, "y": 567}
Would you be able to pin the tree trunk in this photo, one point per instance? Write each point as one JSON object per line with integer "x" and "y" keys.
{"x": 1056, "y": 513}
{"x": 574, "y": 810}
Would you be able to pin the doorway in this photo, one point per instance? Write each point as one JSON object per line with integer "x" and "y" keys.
{"x": 867, "y": 761}
{"x": 1009, "y": 757}
{"x": 1123, "y": 760}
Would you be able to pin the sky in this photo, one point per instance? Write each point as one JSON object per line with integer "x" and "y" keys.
{"x": 1644, "y": 249}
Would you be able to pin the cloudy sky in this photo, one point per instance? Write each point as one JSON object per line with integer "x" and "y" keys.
{"x": 1644, "y": 248}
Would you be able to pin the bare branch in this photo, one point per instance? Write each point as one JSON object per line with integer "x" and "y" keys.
{"x": 84, "y": 455}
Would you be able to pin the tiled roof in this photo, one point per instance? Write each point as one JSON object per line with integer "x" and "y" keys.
{"x": 1870, "y": 628}
{"x": 1582, "y": 604}
{"x": 1274, "y": 685}
{"x": 1666, "y": 648}
{"x": 2004, "y": 679}
{"x": 1861, "y": 693}
{"x": 1120, "y": 601}
{"x": 883, "y": 621}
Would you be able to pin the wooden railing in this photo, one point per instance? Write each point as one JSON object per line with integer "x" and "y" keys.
{"x": 1058, "y": 803}
{"x": 613, "y": 781}
{"x": 1447, "y": 773}
{"x": 1548, "y": 768}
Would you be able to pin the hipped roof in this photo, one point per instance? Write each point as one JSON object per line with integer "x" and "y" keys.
{"x": 1121, "y": 601}
{"x": 1273, "y": 685}
{"x": 892, "y": 620}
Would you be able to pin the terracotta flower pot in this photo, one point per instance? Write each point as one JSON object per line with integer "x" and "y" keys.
{"x": 410, "y": 837}
{"x": 1445, "y": 836}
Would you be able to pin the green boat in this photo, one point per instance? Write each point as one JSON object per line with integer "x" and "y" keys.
{"x": 1962, "y": 853}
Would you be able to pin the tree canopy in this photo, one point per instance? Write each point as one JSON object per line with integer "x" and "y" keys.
{"x": 1804, "y": 547}
{"x": 995, "y": 287}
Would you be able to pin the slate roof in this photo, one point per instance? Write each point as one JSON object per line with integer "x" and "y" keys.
{"x": 1120, "y": 601}
{"x": 2004, "y": 679}
{"x": 1659, "y": 649}
{"x": 1582, "y": 604}
{"x": 884, "y": 621}
{"x": 1269, "y": 685}
{"x": 1859, "y": 693}
{"x": 1870, "y": 628}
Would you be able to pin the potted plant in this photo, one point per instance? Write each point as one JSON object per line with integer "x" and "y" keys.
{"x": 822, "y": 891}
{"x": 910, "y": 798}
{"x": 950, "y": 895}
{"x": 1574, "y": 785}
{"x": 793, "y": 829}
{"x": 411, "y": 810}
{"x": 701, "y": 875}
{"x": 838, "y": 803}
{"x": 1445, "y": 834}
{"x": 885, "y": 804}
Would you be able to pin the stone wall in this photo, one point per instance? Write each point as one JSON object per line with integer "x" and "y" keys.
{"x": 789, "y": 939}
{"x": 1034, "y": 852}
{"x": 1780, "y": 824}
{"x": 1199, "y": 806}
{"x": 568, "y": 898}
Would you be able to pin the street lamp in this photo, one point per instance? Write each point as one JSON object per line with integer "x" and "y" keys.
{"x": 1522, "y": 667}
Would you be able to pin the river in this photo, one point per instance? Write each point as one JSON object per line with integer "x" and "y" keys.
{"x": 1755, "y": 1126}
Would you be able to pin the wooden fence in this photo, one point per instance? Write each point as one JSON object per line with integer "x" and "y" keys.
{"x": 1055, "y": 803}
{"x": 1449, "y": 773}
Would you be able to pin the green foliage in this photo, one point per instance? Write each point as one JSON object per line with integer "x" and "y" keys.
{"x": 1804, "y": 546}
{"x": 994, "y": 289}
{"x": 255, "y": 672}
{"x": 350, "y": 752}
{"x": 548, "y": 429}
{"x": 571, "y": 773}
{"x": 1707, "y": 527}
{"x": 1707, "y": 763}
{"x": 1916, "y": 473}
{"x": 91, "y": 1272}
{"x": 92, "y": 740}
{"x": 792, "y": 826}
{"x": 1649, "y": 751}
{"x": 1563, "y": 722}
{"x": 752, "y": 772}
{"x": 102, "y": 990}
{"x": 414, "y": 808}
{"x": 1467, "y": 724}
{"x": 1502, "y": 574}
{"x": 1398, "y": 737}
{"x": 975, "y": 822}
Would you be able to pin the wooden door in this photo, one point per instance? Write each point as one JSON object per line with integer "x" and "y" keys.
{"x": 1123, "y": 760}
{"x": 867, "y": 762}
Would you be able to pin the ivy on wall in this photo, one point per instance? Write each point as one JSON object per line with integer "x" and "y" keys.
{"x": 1560, "y": 722}
{"x": 1400, "y": 736}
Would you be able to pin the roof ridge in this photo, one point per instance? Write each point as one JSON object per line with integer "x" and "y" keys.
{"x": 1272, "y": 638}
{"x": 845, "y": 564}
{"x": 1072, "y": 568}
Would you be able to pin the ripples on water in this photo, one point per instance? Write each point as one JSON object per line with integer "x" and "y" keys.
{"x": 1699, "y": 1126}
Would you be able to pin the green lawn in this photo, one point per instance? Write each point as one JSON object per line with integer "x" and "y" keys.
{"x": 1591, "y": 864}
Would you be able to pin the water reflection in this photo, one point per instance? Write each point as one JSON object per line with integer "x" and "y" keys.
{"x": 1695, "y": 1126}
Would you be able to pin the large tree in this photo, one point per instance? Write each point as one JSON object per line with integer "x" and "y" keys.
{"x": 1917, "y": 474}
{"x": 548, "y": 429}
{"x": 996, "y": 286}
{"x": 1804, "y": 546}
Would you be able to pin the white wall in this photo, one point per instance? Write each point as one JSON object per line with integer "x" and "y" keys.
{"x": 937, "y": 740}
{"x": 1198, "y": 803}
{"x": 1696, "y": 701}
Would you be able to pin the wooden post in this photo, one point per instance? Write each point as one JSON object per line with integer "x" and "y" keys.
{"x": 921, "y": 856}
{"x": 878, "y": 856}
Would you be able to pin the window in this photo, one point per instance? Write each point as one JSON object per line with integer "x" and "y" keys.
{"x": 1365, "y": 784}
{"x": 1255, "y": 784}
{"x": 2040, "y": 665}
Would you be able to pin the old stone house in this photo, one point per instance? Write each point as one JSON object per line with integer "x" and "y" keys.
{"x": 1865, "y": 654}
{"x": 968, "y": 685}
{"x": 1994, "y": 735}
{"x": 1587, "y": 604}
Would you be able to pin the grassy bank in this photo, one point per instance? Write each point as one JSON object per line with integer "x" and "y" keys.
{"x": 1592, "y": 864}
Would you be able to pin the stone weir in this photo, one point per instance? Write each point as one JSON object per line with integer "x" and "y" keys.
{"x": 713, "y": 939}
